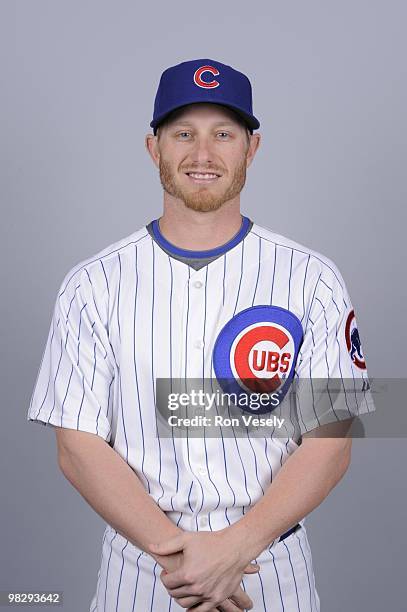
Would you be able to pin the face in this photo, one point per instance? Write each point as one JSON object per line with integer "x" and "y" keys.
{"x": 202, "y": 154}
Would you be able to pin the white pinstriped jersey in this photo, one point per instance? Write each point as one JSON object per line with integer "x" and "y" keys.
{"x": 132, "y": 313}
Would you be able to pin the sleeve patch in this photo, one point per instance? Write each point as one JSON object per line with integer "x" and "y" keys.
{"x": 353, "y": 343}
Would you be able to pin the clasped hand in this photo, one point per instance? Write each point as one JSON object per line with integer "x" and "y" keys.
{"x": 208, "y": 572}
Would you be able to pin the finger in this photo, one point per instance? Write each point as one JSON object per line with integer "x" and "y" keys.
{"x": 189, "y": 602}
{"x": 174, "y": 580}
{"x": 183, "y": 591}
{"x": 235, "y": 603}
{"x": 228, "y": 606}
{"x": 204, "y": 607}
{"x": 241, "y": 599}
{"x": 251, "y": 568}
{"x": 168, "y": 547}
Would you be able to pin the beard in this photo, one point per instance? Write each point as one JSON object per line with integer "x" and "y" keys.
{"x": 202, "y": 198}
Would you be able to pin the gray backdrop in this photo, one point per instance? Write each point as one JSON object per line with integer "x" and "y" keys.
{"x": 78, "y": 80}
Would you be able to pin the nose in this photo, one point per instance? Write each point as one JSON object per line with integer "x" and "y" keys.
{"x": 201, "y": 153}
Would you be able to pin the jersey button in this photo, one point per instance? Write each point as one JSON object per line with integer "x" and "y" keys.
{"x": 203, "y": 521}
{"x": 198, "y": 284}
{"x": 202, "y": 471}
{"x": 198, "y": 344}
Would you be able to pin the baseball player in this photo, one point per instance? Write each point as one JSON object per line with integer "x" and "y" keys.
{"x": 203, "y": 522}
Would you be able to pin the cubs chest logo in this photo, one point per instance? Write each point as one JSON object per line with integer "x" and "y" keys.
{"x": 256, "y": 351}
{"x": 353, "y": 343}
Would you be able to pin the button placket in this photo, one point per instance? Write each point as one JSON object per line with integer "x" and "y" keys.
{"x": 196, "y": 323}
{"x": 195, "y": 358}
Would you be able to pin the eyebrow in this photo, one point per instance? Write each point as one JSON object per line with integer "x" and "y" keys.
{"x": 217, "y": 124}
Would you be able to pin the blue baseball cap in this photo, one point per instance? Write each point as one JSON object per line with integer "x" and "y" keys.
{"x": 203, "y": 80}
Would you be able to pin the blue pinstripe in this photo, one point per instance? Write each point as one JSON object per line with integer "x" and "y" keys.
{"x": 292, "y": 569}
{"x": 123, "y": 421}
{"x": 100, "y": 563}
{"x": 170, "y": 364}
{"x": 278, "y": 580}
{"x": 223, "y": 447}
{"x": 107, "y": 572}
{"x": 240, "y": 279}
{"x": 56, "y": 375}
{"x": 152, "y": 369}
{"x": 223, "y": 282}
{"x": 118, "y": 295}
{"x": 258, "y": 273}
{"x": 303, "y": 288}
{"x": 306, "y": 568}
{"x": 66, "y": 393}
{"x": 137, "y": 579}
{"x": 155, "y": 580}
{"x": 120, "y": 578}
{"x": 326, "y": 353}
{"x": 274, "y": 272}
{"x": 203, "y": 386}
{"x": 289, "y": 279}
{"x": 105, "y": 275}
{"x": 136, "y": 375}
{"x": 262, "y": 588}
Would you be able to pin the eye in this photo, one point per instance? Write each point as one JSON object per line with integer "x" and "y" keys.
{"x": 224, "y": 134}
{"x": 183, "y": 135}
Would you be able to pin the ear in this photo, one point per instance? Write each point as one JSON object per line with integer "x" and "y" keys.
{"x": 152, "y": 147}
{"x": 254, "y": 144}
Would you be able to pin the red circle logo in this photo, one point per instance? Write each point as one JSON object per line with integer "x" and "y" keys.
{"x": 261, "y": 356}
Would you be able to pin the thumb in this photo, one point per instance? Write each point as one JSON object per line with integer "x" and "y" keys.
{"x": 168, "y": 547}
{"x": 251, "y": 568}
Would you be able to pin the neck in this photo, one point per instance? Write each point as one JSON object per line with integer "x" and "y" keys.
{"x": 189, "y": 229}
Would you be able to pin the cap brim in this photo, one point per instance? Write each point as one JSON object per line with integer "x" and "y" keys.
{"x": 251, "y": 121}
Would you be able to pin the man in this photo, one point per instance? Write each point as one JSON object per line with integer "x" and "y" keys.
{"x": 204, "y": 522}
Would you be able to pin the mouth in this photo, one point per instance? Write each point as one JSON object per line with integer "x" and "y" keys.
{"x": 202, "y": 177}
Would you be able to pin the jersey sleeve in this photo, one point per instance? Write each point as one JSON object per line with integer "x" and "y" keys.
{"x": 74, "y": 383}
{"x": 331, "y": 381}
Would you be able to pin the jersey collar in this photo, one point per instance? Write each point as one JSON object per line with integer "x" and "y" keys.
{"x": 196, "y": 254}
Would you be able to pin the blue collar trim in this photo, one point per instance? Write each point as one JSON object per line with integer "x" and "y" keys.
{"x": 196, "y": 254}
